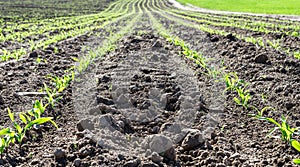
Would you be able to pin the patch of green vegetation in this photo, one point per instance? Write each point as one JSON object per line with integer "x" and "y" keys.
{"x": 290, "y": 7}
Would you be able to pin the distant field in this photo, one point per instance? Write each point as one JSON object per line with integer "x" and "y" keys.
{"x": 19, "y": 9}
{"x": 253, "y": 6}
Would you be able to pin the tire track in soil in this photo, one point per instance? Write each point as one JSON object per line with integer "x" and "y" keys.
{"x": 143, "y": 90}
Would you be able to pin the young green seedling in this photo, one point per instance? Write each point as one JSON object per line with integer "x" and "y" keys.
{"x": 244, "y": 97}
{"x": 28, "y": 124}
{"x": 232, "y": 81}
{"x": 286, "y": 131}
{"x": 260, "y": 112}
{"x": 297, "y": 55}
{"x": 50, "y": 95}
{"x": 38, "y": 109}
{"x": 6, "y": 137}
{"x": 6, "y": 55}
{"x": 296, "y": 161}
{"x": 61, "y": 83}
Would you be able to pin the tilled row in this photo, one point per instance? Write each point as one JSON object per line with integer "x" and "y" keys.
{"x": 144, "y": 103}
{"x": 285, "y": 41}
{"x": 264, "y": 38}
{"x": 269, "y": 73}
{"x": 17, "y": 43}
{"x": 23, "y": 79}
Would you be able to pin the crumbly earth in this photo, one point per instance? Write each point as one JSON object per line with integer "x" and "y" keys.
{"x": 145, "y": 104}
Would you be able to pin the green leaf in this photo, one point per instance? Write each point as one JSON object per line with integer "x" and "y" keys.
{"x": 18, "y": 127}
{"x": 296, "y": 161}
{"x": 38, "y": 121}
{"x": 237, "y": 100}
{"x": 61, "y": 89}
{"x": 75, "y": 59}
{"x": 2, "y": 141}
{"x": 2, "y": 145}
{"x": 30, "y": 112}
{"x": 28, "y": 117}
{"x": 273, "y": 121}
{"x": 11, "y": 115}
{"x": 23, "y": 118}
{"x": 264, "y": 109}
{"x": 5, "y": 131}
{"x": 295, "y": 144}
{"x": 54, "y": 124}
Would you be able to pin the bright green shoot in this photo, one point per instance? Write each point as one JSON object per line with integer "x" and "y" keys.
{"x": 6, "y": 137}
{"x": 286, "y": 131}
{"x": 61, "y": 83}
{"x": 260, "y": 112}
{"x": 50, "y": 95}
{"x": 5, "y": 55}
{"x": 296, "y": 161}
{"x": 28, "y": 122}
{"x": 297, "y": 55}
{"x": 232, "y": 81}
{"x": 244, "y": 97}
{"x": 38, "y": 109}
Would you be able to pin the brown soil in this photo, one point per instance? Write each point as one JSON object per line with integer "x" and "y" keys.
{"x": 144, "y": 104}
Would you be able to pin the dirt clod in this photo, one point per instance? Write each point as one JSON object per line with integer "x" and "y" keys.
{"x": 85, "y": 124}
{"x": 33, "y": 55}
{"x": 59, "y": 154}
{"x": 262, "y": 58}
{"x": 77, "y": 162}
{"x": 156, "y": 158}
{"x": 192, "y": 140}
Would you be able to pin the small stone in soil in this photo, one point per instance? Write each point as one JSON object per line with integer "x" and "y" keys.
{"x": 77, "y": 162}
{"x": 121, "y": 157}
{"x": 85, "y": 124}
{"x": 156, "y": 158}
{"x": 149, "y": 164}
{"x": 104, "y": 79}
{"x": 235, "y": 156}
{"x": 24, "y": 81}
{"x": 162, "y": 145}
{"x": 104, "y": 100}
{"x": 1, "y": 100}
{"x": 35, "y": 161}
{"x": 230, "y": 37}
{"x": 155, "y": 129}
{"x": 289, "y": 105}
{"x": 85, "y": 151}
{"x": 221, "y": 165}
{"x": 214, "y": 39}
{"x": 192, "y": 140}
{"x": 262, "y": 58}
{"x": 71, "y": 157}
{"x": 132, "y": 163}
{"x": 56, "y": 68}
{"x": 59, "y": 154}
{"x": 33, "y": 55}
